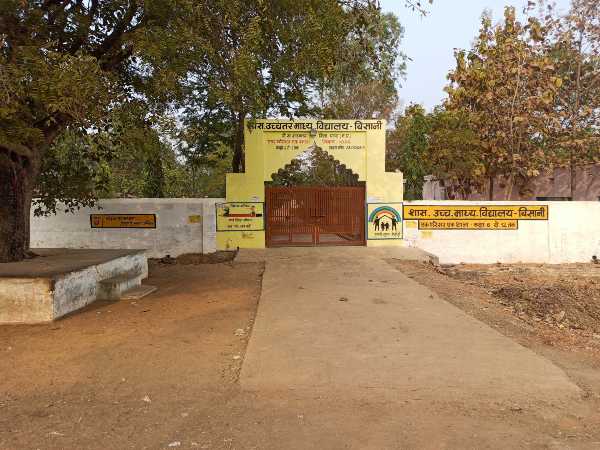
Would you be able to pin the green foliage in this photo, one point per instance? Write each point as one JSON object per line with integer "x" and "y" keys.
{"x": 407, "y": 148}
{"x": 573, "y": 43}
{"x": 70, "y": 64}
{"x": 363, "y": 84}
{"x": 506, "y": 85}
{"x": 70, "y": 69}
{"x": 315, "y": 167}
{"x": 522, "y": 100}
{"x": 454, "y": 154}
{"x": 75, "y": 172}
{"x": 443, "y": 144}
{"x": 205, "y": 179}
{"x": 272, "y": 58}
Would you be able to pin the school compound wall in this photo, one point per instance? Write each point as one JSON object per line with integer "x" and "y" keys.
{"x": 181, "y": 226}
{"x": 570, "y": 234}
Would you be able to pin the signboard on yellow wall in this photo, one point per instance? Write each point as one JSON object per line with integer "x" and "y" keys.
{"x": 384, "y": 221}
{"x": 240, "y": 216}
{"x": 468, "y": 224}
{"x": 329, "y": 141}
{"x": 476, "y": 212}
{"x": 123, "y": 220}
{"x": 472, "y": 217}
{"x": 332, "y": 141}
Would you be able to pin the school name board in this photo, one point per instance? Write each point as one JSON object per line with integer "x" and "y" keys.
{"x": 319, "y": 125}
{"x": 473, "y": 217}
{"x": 384, "y": 221}
{"x": 328, "y": 141}
{"x": 240, "y": 216}
{"x": 123, "y": 220}
{"x": 468, "y": 224}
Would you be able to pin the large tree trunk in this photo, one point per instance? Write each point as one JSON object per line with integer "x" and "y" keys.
{"x": 238, "y": 144}
{"x": 491, "y": 190}
{"x": 17, "y": 177}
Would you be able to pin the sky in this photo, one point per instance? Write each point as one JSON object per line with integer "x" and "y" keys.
{"x": 430, "y": 41}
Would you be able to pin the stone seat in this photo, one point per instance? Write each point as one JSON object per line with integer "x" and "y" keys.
{"x": 60, "y": 281}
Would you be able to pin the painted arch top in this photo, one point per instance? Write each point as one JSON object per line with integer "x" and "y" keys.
{"x": 319, "y": 125}
{"x": 276, "y": 143}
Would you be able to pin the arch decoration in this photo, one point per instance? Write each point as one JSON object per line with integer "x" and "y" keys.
{"x": 270, "y": 145}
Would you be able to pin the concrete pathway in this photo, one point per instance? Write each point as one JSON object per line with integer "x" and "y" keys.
{"x": 342, "y": 322}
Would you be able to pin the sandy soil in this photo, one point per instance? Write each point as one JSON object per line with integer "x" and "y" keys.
{"x": 194, "y": 258}
{"x": 162, "y": 373}
{"x": 145, "y": 374}
{"x": 565, "y": 297}
{"x": 549, "y": 309}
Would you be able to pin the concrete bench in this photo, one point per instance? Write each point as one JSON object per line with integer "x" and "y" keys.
{"x": 61, "y": 281}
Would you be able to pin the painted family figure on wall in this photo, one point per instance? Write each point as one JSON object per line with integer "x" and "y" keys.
{"x": 384, "y": 221}
{"x": 385, "y": 224}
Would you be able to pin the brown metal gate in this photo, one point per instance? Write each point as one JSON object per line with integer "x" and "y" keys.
{"x": 309, "y": 216}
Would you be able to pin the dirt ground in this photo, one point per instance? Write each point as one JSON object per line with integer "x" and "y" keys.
{"x": 145, "y": 374}
{"x": 162, "y": 373}
{"x": 194, "y": 258}
{"x": 551, "y": 309}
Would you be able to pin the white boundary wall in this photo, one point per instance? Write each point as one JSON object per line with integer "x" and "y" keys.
{"x": 174, "y": 235}
{"x": 572, "y": 234}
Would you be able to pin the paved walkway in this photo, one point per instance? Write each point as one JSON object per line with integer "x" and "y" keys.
{"x": 343, "y": 320}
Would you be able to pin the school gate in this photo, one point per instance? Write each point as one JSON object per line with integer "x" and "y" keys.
{"x": 256, "y": 215}
{"x": 310, "y": 216}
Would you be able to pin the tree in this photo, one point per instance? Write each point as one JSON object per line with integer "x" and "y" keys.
{"x": 507, "y": 84}
{"x": 75, "y": 170}
{"x": 454, "y": 153}
{"x": 573, "y": 43}
{"x": 262, "y": 58}
{"x": 407, "y": 150}
{"x": 363, "y": 84}
{"x": 315, "y": 167}
{"x": 288, "y": 58}
{"x": 442, "y": 144}
{"x": 65, "y": 65}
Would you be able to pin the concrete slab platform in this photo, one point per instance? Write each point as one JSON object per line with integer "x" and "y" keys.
{"x": 55, "y": 261}
{"x": 343, "y": 321}
{"x": 61, "y": 281}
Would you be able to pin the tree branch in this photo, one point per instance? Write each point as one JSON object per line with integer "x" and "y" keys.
{"x": 117, "y": 33}
{"x": 18, "y": 149}
{"x": 77, "y": 43}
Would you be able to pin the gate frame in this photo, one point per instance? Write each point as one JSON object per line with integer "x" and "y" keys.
{"x": 272, "y": 144}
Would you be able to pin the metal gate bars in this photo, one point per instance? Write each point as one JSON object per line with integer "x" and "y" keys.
{"x": 310, "y": 216}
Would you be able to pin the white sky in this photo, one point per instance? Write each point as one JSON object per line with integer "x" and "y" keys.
{"x": 430, "y": 41}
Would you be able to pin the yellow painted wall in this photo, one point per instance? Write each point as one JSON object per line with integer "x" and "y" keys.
{"x": 272, "y": 144}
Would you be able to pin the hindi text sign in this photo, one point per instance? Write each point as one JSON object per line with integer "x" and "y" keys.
{"x": 468, "y": 224}
{"x": 479, "y": 212}
{"x": 240, "y": 216}
{"x": 473, "y": 217}
{"x": 123, "y": 220}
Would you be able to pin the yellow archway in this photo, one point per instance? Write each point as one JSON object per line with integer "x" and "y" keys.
{"x": 271, "y": 144}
